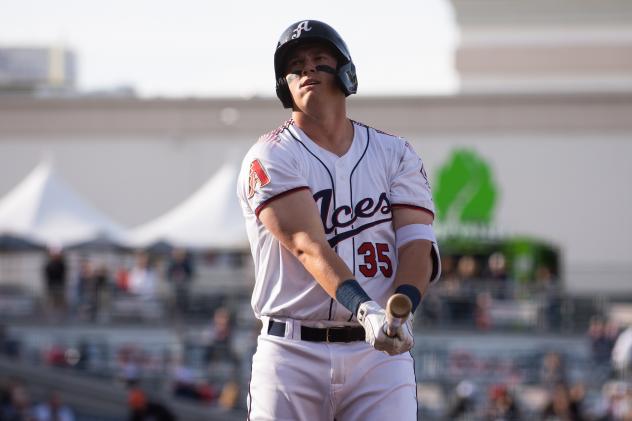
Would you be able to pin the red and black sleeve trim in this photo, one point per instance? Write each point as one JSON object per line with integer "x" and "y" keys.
{"x": 404, "y": 205}
{"x": 278, "y": 196}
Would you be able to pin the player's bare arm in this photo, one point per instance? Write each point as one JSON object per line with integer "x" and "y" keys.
{"x": 293, "y": 219}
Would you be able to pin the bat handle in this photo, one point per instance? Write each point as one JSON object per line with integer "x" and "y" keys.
{"x": 392, "y": 325}
{"x": 398, "y": 307}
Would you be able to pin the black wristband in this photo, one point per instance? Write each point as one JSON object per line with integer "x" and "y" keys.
{"x": 411, "y": 292}
{"x": 350, "y": 294}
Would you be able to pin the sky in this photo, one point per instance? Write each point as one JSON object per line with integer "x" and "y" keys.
{"x": 198, "y": 48}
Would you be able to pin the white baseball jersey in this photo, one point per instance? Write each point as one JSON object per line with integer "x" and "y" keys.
{"x": 354, "y": 194}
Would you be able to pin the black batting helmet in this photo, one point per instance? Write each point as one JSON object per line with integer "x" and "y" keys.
{"x": 313, "y": 30}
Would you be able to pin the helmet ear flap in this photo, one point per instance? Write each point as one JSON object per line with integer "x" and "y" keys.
{"x": 283, "y": 92}
{"x": 348, "y": 78}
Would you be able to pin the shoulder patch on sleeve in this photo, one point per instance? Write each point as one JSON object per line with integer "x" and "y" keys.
{"x": 257, "y": 178}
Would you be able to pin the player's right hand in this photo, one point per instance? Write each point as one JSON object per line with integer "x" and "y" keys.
{"x": 373, "y": 318}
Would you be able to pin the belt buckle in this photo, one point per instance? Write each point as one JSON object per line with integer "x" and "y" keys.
{"x": 330, "y": 330}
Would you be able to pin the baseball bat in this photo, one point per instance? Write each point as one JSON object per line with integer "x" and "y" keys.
{"x": 398, "y": 308}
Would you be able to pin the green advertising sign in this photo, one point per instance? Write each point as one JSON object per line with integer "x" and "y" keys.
{"x": 465, "y": 191}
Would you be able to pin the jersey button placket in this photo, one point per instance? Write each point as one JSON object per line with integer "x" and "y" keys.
{"x": 343, "y": 198}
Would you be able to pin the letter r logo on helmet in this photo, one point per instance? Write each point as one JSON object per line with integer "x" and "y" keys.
{"x": 303, "y": 26}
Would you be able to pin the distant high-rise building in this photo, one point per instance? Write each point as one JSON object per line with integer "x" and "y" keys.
{"x": 544, "y": 46}
{"x": 37, "y": 70}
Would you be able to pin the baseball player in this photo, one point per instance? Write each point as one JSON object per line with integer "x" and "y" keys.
{"x": 339, "y": 217}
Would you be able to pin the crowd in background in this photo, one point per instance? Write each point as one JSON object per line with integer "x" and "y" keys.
{"x": 16, "y": 404}
{"x": 87, "y": 294}
{"x": 470, "y": 285}
{"x": 553, "y": 387}
{"x": 206, "y": 370}
{"x": 211, "y": 370}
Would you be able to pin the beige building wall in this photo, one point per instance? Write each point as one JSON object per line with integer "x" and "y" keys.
{"x": 544, "y": 46}
{"x": 560, "y": 160}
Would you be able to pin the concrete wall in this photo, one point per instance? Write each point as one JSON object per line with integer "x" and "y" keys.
{"x": 561, "y": 162}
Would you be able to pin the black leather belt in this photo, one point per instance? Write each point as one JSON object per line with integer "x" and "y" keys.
{"x": 315, "y": 334}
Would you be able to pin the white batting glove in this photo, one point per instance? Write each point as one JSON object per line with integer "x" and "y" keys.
{"x": 373, "y": 318}
{"x": 405, "y": 335}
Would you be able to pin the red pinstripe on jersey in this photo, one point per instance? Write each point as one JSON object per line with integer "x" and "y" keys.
{"x": 273, "y": 135}
{"x": 404, "y": 205}
{"x": 278, "y": 196}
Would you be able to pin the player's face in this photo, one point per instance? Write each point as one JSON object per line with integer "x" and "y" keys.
{"x": 305, "y": 79}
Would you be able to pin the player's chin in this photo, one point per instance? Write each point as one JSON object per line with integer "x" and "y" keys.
{"x": 306, "y": 99}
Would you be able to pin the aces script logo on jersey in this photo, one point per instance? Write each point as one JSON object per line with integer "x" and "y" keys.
{"x": 258, "y": 177}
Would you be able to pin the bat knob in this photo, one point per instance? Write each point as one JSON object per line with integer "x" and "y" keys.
{"x": 399, "y": 305}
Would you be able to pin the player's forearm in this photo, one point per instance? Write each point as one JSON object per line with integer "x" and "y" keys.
{"x": 320, "y": 260}
{"x": 414, "y": 265}
{"x": 295, "y": 222}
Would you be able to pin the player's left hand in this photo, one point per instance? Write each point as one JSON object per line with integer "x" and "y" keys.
{"x": 373, "y": 318}
{"x": 405, "y": 337}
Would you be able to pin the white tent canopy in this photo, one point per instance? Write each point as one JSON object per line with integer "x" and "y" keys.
{"x": 45, "y": 209}
{"x": 210, "y": 218}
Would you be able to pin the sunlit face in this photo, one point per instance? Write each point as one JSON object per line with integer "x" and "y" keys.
{"x": 303, "y": 77}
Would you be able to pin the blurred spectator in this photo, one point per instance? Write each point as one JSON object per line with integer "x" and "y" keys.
{"x": 129, "y": 370}
{"x": 548, "y": 292}
{"x": 180, "y": 276}
{"x": 462, "y": 403}
{"x": 85, "y": 290}
{"x": 53, "y": 410}
{"x": 55, "y": 279}
{"x": 183, "y": 380}
{"x": 186, "y": 385}
{"x": 449, "y": 280}
{"x": 501, "y": 405}
{"x": 55, "y": 355}
{"x": 467, "y": 268}
{"x": 602, "y": 338}
{"x": 553, "y": 370}
{"x": 17, "y": 404}
{"x": 9, "y": 346}
{"x": 497, "y": 266}
{"x": 496, "y": 274}
{"x": 143, "y": 409}
{"x": 616, "y": 395}
{"x": 578, "y": 395}
{"x": 101, "y": 292}
{"x": 626, "y": 410}
{"x": 562, "y": 406}
{"x": 600, "y": 344}
{"x": 219, "y": 337}
{"x": 483, "y": 311}
{"x": 5, "y": 396}
{"x": 142, "y": 278}
{"x": 459, "y": 302}
{"x": 122, "y": 279}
